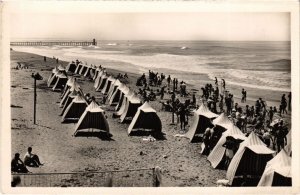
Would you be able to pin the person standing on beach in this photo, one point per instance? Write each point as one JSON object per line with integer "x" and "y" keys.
{"x": 223, "y": 85}
{"x": 271, "y": 114}
{"x": 162, "y": 92}
{"x": 243, "y": 95}
{"x": 182, "y": 115}
{"x": 216, "y": 81}
{"x": 169, "y": 80}
{"x": 56, "y": 60}
{"x": 45, "y": 59}
{"x": 176, "y": 84}
{"x": 221, "y": 104}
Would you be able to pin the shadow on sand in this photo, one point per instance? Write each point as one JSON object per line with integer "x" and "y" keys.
{"x": 99, "y": 134}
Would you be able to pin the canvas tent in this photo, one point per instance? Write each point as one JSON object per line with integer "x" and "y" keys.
{"x": 83, "y": 69}
{"x": 97, "y": 71}
{"x": 124, "y": 90}
{"x": 54, "y": 72}
{"x": 116, "y": 94}
{"x": 60, "y": 82}
{"x": 222, "y": 123}
{"x": 278, "y": 171}
{"x": 75, "y": 88}
{"x": 131, "y": 106}
{"x": 145, "y": 118}
{"x": 98, "y": 79}
{"x": 113, "y": 88}
{"x": 123, "y": 104}
{"x": 93, "y": 119}
{"x": 61, "y": 68}
{"x": 202, "y": 120}
{"x": 78, "y": 68}
{"x": 250, "y": 159}
{"x": 70, "y": 81}
{"x": 71, "y": 67}
{"x": 75, "y": 109}
{"x": 102, "y": 82}
{"x": 68, "y": 100}
{"x": 216, "y": 155}
{"x": 107, "y": 85}
{"x": 88, "y": 71}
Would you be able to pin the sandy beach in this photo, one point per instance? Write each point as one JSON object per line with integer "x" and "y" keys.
{"x": 180, "y": 161}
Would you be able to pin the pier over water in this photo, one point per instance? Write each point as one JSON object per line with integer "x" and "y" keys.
{"x": 51, "y": 43}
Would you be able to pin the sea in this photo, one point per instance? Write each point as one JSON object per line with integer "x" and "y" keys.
{"x": 262, "y": 65}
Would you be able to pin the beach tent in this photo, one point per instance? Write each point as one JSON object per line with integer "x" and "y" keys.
{"x": 98, "y": 79}
{"x": 78, "y": 68}
{"x": 131, "y": 106}
{"x": 61, "y": 68}
{"x": 123, "y": 104}
{"x": 124, "y": 90}
{"x": 70, "y": 81}
{"x": 113, "y": 87}
{"x": 87, "y": 71}
{"x": 97, "y": 71}
{"x": 115, "y": 95}
{"x": 54, "y": 71}
{"x": 60, "y": 81}
{"x": 91, "y": 72}
{"x": 69, "y": 99}
{"x": 202, "y": 120}
{"x": 83, "y": 69}
{"x": 93, "y": 119}
{"x": 277, "y": 171}
{"x": 216, "y": 155}
{"x": 146, "y": 119}
{"x": 288, "y": 147}
{"x": 250, "y": 159}
{"x": 71, "y": 67}
{"x": 107, "y": 85}
{"x": 75, "y": 88}
{"x": 75, "y": 109}
{"x": 222, "y": 123}
{"x": 102, "y": 82}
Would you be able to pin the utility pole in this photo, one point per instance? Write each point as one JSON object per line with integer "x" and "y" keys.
{"x": 35, "y": 77}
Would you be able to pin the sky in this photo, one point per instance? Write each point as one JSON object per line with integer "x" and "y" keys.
{"x": 227, "y": 26}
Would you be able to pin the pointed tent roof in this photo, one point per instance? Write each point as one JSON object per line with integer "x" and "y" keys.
{"x": 60, "y": 67}
{"x": 152, "y": 122}
{"x": 134, "y": 99}
{"x": 222, "y": 121}
{"x": 55, "y": 70}
{"x": 254, "y": 144}
{"x": 79, "y": 99}
{"x": 204, "y": 111}
{"x": 92, "y": 118}
{"x": 61, "y": 75}
{"x": 280, "y": 164}
{"x": 70, "y": 80}
{"x": 216, "y": 155}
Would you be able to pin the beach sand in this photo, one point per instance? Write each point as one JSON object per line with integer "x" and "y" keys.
{"x": 180, "y": 161}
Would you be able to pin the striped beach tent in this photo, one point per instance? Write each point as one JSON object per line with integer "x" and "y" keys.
{"x": 107, "y": 85}
{"x": 202, "y": 120}
{"x": 88, "y": 71}
{"x": 83, "y": 69}
{"x": 250, "y": 159}
{"x": 124, "y": 90}
{"x": 98, "y": 79}
{"x": 70, "y": 81}
{"x": 132, "y": 104}
{"x": 113, "y": 87}
{"x": 78, "y": 68}
{"x": 73, "y": 87}
{"x": 145, "y": 118}
{"x": 216, "y": 155}
{"x": 222, "y": 123}
{"x": 123, "y": 104}
{"x": 93, "y": 119}
{"x": 71, "y": 67}
{"x": 69, "y": 99}
{"x": 61, "y": 68}
{"x": 278, "y": 171}
{"x": 115, "y": 93}
{"x": 61, "y": 81}
{"x": 75, "y": 109}
{"x": 102, "y": 82}
{"x": 97, "y": 71}
{"x": 54, "y": 72}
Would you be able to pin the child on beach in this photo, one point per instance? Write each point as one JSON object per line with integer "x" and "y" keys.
{"x": 17, "y": 165}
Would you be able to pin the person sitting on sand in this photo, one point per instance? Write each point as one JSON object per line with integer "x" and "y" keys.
{"x": 17, "y": 165}
{"x": 31, "y": 160}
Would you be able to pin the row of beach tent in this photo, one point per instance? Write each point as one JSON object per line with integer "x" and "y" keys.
{"x": 90, "y": 116}
{"x": 253, "y": 157}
